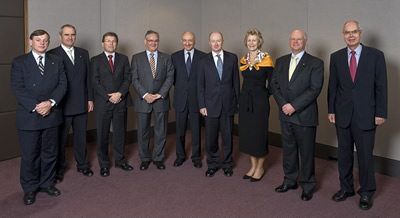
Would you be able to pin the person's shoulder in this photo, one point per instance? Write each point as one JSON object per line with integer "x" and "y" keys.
{"x": 200, "y": 53}
{"x": 177, "y": 53}
{"x": 119, "y": 55}
{"x": 81, "y": 50}
{"x": 313, "y": 58}
{"x": 163, "y": 55}
{"x": 339, "y": 52}
{"x": 54, "y": 50}
{"x": 53, "y": 57}
{"x": 286, "y": 56}
{"x": 372, "y": 50}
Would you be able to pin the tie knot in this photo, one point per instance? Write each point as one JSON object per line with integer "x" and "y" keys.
{"x": 295, "y": 58}
{"x": 110, "y": 56}
{"x": 152, "y": 54}
{"x": 40, "y": 58}
{"x": 218, "y": 55}
{"x": 353, "y": 52}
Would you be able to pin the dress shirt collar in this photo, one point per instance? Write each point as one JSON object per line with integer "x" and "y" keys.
{"x": 299, "y": 56}
{"x": 185, "y": 53}
{"x": 36, "y": 56}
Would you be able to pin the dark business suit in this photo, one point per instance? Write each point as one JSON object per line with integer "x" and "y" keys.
{"x": 38, "y": 135}
{"x": 220, "y": 97}
{"x": 298, "y": 130}
{"x": 185, "y": 103}
{"x": 75, "y": 106}
{"x": 355, "y": 106}
{"x": 105, "y": 82}
{"x": 143, "y": 82}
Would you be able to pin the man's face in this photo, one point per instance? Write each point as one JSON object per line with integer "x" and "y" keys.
{"x": 40, "y": 43}
{"x": 216, "y": 42}
{"x": 68, "y": 37}
{"x": 188, "y": 41}
{"x": 151, "y": 42}
{"x": 352, "y": 35}
{"x": 297, "y": 41}
{"x": 110, "y": 44}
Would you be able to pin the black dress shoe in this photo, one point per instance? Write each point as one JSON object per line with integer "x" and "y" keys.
{"x": 197, "y": 163}
{"x": 341, "y": 195}
{"x": 85, "y": 171}
{"x": 211, "y": 171}
{"x": 29, "y": 198}
{"x": 306, "y": 196}
{"x": 160, "y": 165}
{"x": 104, "y": 172}
{"x": 228, "y": 171}
{"x": 144, "y": 165}
{"x": 51, "y": 190}
{"x": 58, "y": 178}
{"x": 365, "y": 203}
{"x": 124, "y": 166}
{"x": 178, "y": 162}
{"x": 285, "y": 188}
{"x": 246, "y": 177}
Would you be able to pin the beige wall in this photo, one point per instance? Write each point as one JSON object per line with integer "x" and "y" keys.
{"x": 321, "y": 19}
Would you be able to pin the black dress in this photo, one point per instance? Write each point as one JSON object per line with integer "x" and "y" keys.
{"x": 254, "y": 112}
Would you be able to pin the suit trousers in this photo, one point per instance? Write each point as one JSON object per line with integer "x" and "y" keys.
{"x": 78, "y": 123}
{"x": 364, "y": 142}
{"x": 194, "y": 118}
{"x": 38, "y": 158}
{"x": 299, "y": 140}
{"x": 103, "y": 123}
{"x": 223, "y": 123}
{"x": 160, "y": 135}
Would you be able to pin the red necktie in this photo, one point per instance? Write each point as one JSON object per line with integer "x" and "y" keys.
{"x": 353, "y": 65}
{"x": 111, "y": 63}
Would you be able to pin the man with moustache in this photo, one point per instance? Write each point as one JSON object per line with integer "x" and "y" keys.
{"x": 39, "y": 84}
{"x": 186, "y": 63}
{"x": 218, "y": 96}
{"x": 152, "y": 78}
{"x": 357, "y": 104}
{"x": 296, "y": 84}
{"x": 77, "y": 102}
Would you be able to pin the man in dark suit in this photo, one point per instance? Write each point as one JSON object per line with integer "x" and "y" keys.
{"x": 357, "y": 104}
{"x": 296, "y": 83}
{"x": 39, "y": 83}
{"x": 186, "y": 64}
{"x": 152, "y": 78}
{"x": 77, "y": 102}
{"x": 218, "y": 96}
{"x": 111, "y": 78}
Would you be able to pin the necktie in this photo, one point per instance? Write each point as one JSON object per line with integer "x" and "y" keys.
{"x": 41, "y": 67}
{"x": 153, "y": 65}
{"x": 292, "y": 67}
{"x": 219, "y": 66}
{"x": 111, "y": 63}
{"x": 188, "y": 64}
{"x": 70, "y": 56}
{"x": 353, "y": 65}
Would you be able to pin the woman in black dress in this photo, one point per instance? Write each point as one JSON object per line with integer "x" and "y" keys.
{"x": 256, "y": 67}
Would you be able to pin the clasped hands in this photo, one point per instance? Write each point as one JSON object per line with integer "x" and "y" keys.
{"x": 115, "y": 97}
{"x": 288, "y": 109}
{"x": 44, "y": 108}
{"x": 151, "y": 98}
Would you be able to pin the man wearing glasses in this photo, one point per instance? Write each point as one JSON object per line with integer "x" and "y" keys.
{"x": 357, "y": 104}
{"x": 152, "y": 77}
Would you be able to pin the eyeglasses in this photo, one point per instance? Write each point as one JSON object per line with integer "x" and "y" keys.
{"x": 353, "y": 32}
{"x": 111, "y": 41}
{"x": 153, "y": 41}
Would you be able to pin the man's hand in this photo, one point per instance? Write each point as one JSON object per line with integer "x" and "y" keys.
{"x": 288, "y": 109}
{"x": 331, "y": 118}
{"x": 203, "y": 111}
{"x": 44, "y": 108}
{"x": 90, "y": 106}
{"x": 115, "y": 97}
{"x": 379, "y": 121}
{"x": 149, "y": 98}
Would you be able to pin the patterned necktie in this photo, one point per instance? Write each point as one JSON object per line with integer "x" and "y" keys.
{"x": 111, "y": 63}
{"x": 153, "y": 65}
{"x": 353, "y": 65}
{"x": 70, "y": 56}
{"x": 188, "y": 64}
{"x": 292, "y": 67}
{"x": 219, "y": 66}
{"x": 41, "y": 67}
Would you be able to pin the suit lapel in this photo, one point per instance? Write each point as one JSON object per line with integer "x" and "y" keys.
{"x": 300, "y": 66}
{"x": 363, "y": 58}
{"x": 344, "y": 60}
{"x": 106, "y": 64}
{"x": 213, "y": 67}
{"x": 286, "y": 63}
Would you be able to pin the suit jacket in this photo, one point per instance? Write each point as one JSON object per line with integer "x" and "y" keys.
{"x": 186, "y": 86}
{"x": 301, "y": 91}
{"x": 80, "y": 89}
{"x": 30, "y": 88}
{"x": 366, "y": 98}
{"x": 105, "y": 81}
{"x": 215, "y": 94}
{"x": 143, "y": 82}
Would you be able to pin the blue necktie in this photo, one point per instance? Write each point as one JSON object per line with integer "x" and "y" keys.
{"x": 188, "y": 64}
{"x": 41, "y": 67}
{"x": 219, "y": 66}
